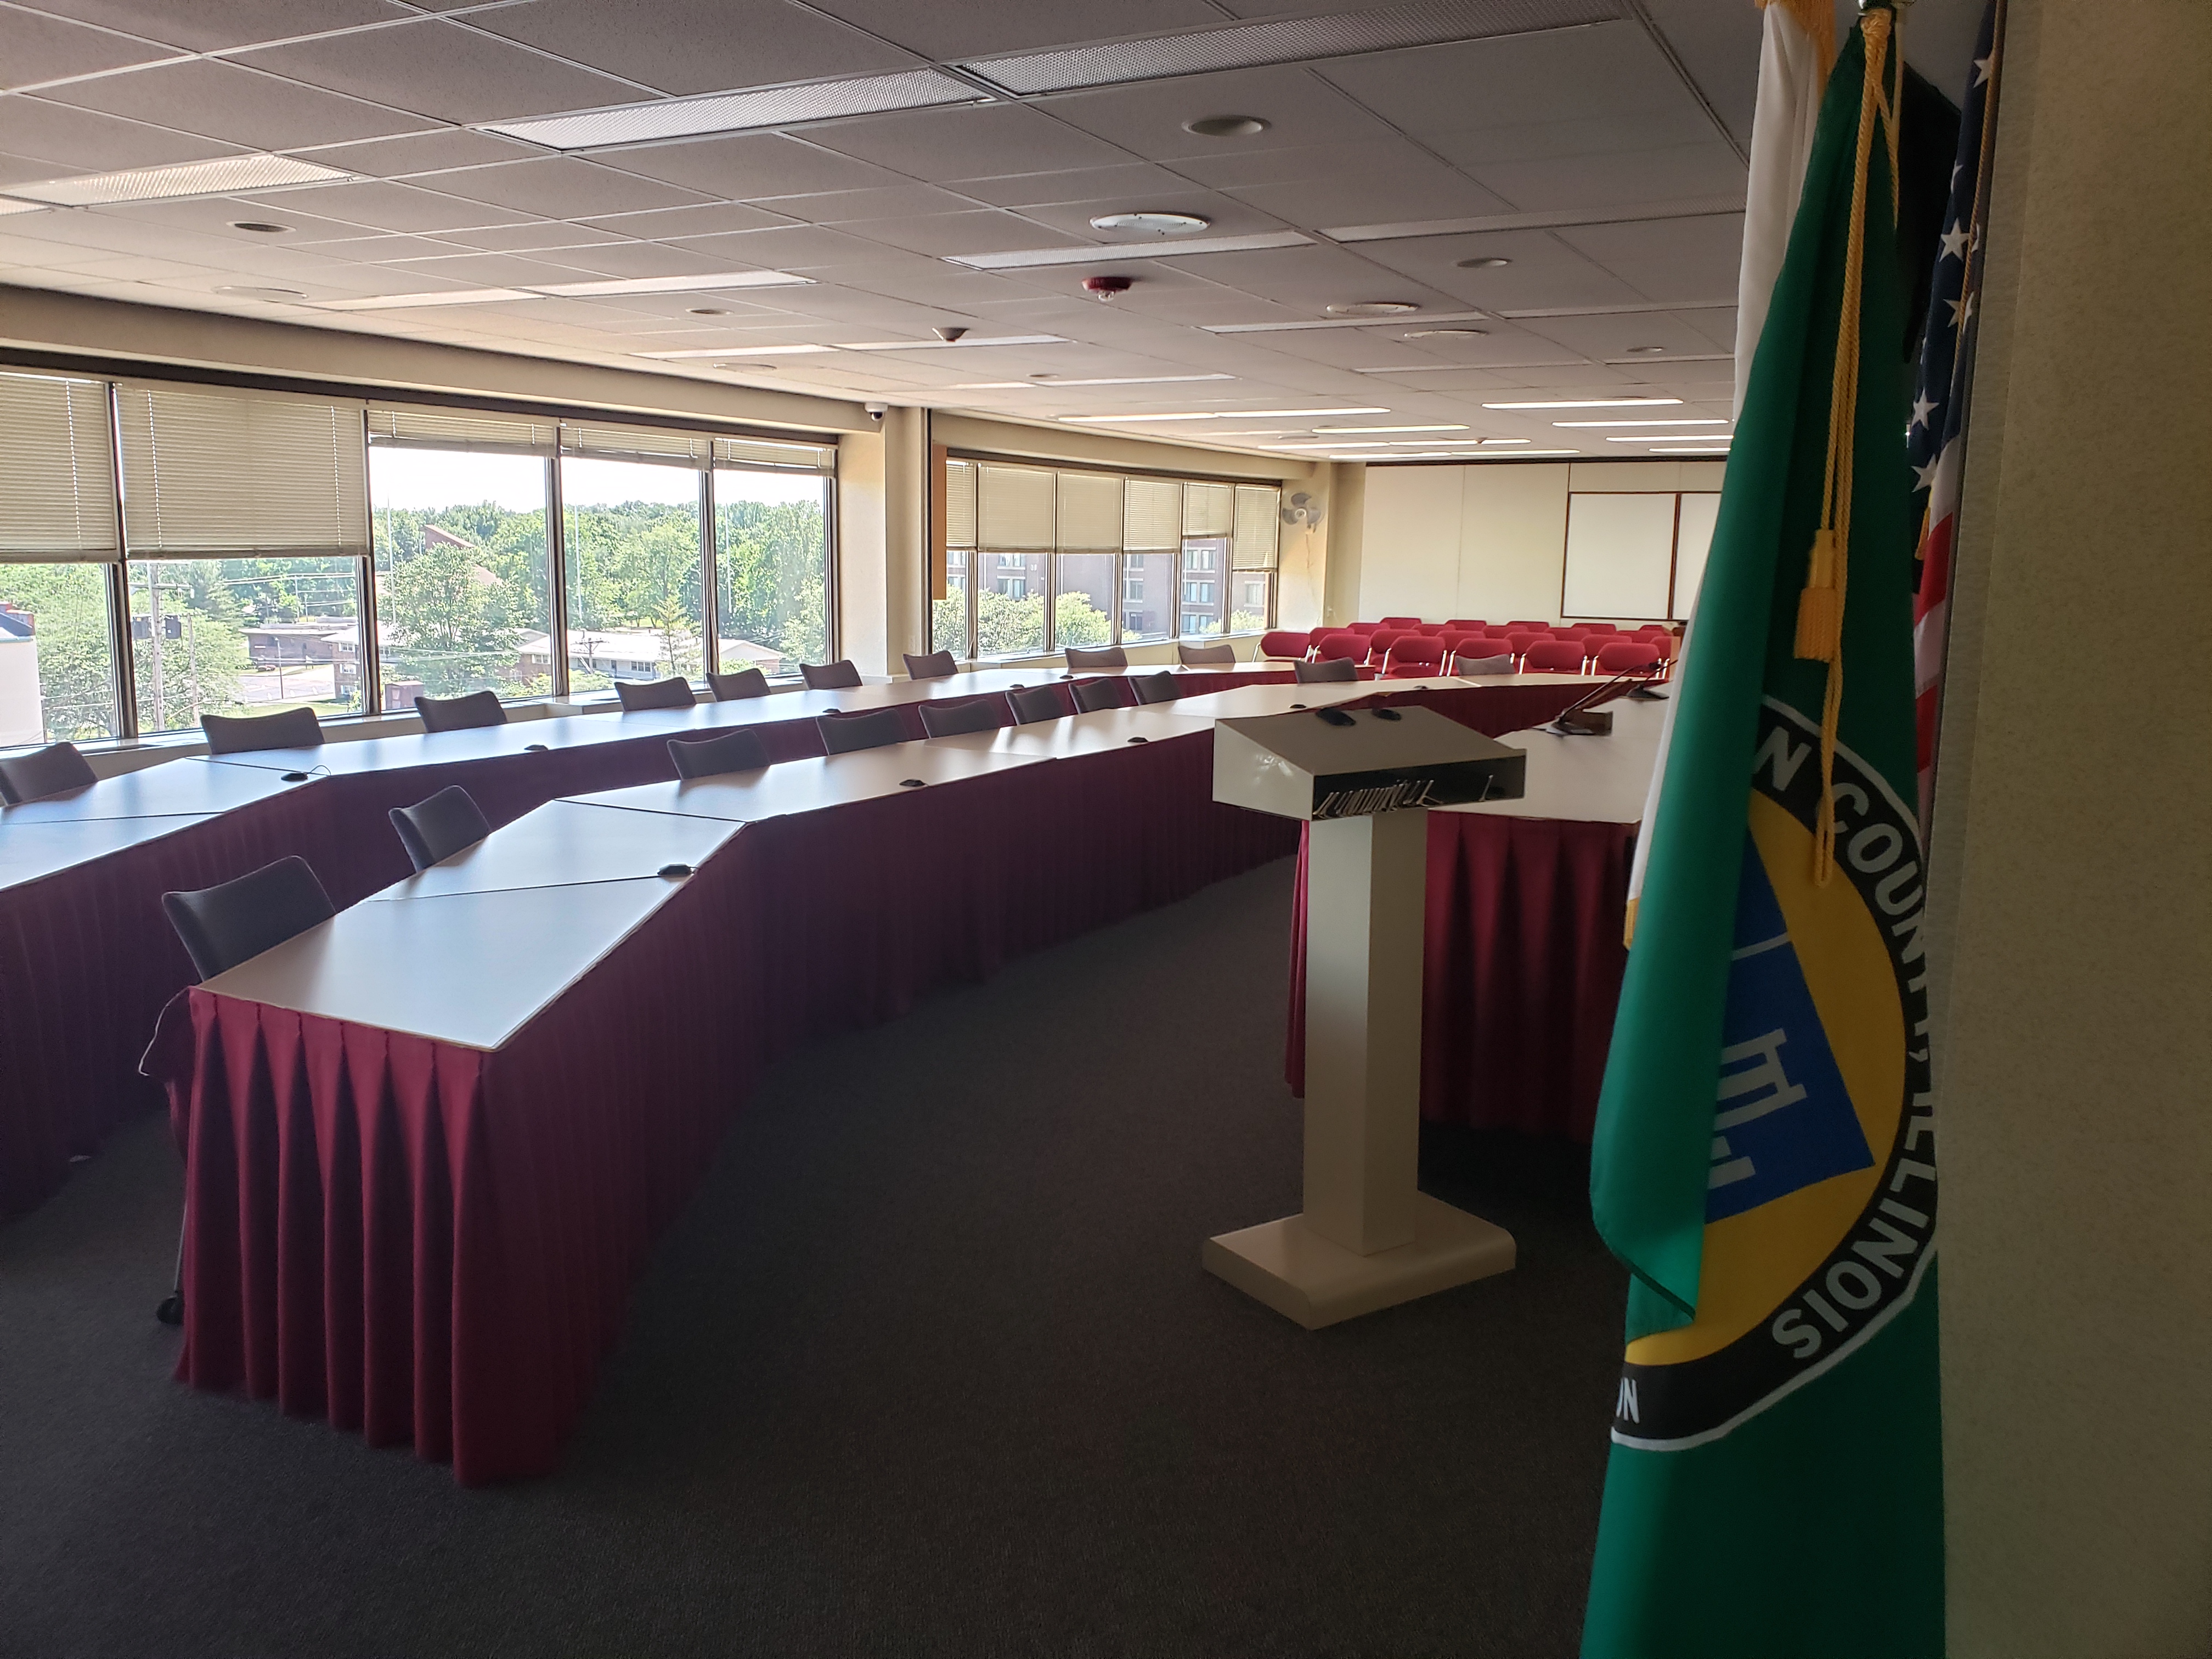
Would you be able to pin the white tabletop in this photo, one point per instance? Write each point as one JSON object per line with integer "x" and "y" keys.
{"x": 29, "y": 851}
{"x": 563, "y": 843}
{"x": 1594, "y": 780}
{"x": 166, "y": 790}
{"x": 1082, "y": 734}
{"x": 810, "y": 785}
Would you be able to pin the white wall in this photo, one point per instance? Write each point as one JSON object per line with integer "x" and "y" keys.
{"x": 1488, "y": 539}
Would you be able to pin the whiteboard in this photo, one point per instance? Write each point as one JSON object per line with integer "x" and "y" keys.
{"x": 1620, "y": 555}
{"x": 1692, "y": 540}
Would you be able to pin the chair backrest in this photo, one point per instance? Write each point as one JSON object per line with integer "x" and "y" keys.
{"x": 440, "y": 827}
{"x": 1328, "y": 668}
{"x": 1500, "y": 663}
{"x": 1091, "y": 696}
{"x": 44, "y": 772}
{"x": 1401, "y": 621}
{"x": 459, "y": 714}
{"x": 937, "y": 666}
{"x": 1521, "y": 639}
{"x": 1343, "y": 645}
{"x": 1204, "y": 656}
{"x": 1588, "y": 628}
{"x": 239, "y": 734}
{"x": 1162, "y": 687}
{"x": 1553, "y": 657}
{"x": 1106, "y": 656}
{"x": 1519, "y": 624}
{"x": 741, "y": 751}
{"x": 950, "y": 720}
{"x": 674, "y": 692}
{"x": 1468, "y": 625}
{"x": 1380, "y": 641}
{"x": 736, "y": 688}
{"x": 1031, "y": 704}
{"x": 836, "y": 676}
{"x": 1361, "y": 628}
{"x": 1423, "y": 650}
{"x": 235, "y": 921}
{"x": 1619, "y": 656}
{"x": 1284, "y": 645}
{"x": 843, "y": 733}
{"x": 1668, "y": 646}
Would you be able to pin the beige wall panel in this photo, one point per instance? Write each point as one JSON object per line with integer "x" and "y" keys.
{"x": 1410, "y": 560}
{"x": 1513, "y": 543}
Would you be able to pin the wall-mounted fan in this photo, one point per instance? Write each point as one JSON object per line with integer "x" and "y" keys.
{"x": 1302, "y": 510}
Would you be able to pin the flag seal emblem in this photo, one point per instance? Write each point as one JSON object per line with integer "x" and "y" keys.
{"x": 1820, "y": 1207}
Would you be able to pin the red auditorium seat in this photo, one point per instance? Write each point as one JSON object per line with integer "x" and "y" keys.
{"x": 1401, "y": 621}
{"x": 1468, "y": 625}
{"x": 1415, "y": 656}
{"x": 1621, "y": 656}
{"x": 1361, "y": 628}
{"x": 1521, "y": 639}
{"x": 1588, "y": 629}
{"x": 1286, "y": 645}
{"x": 1519, "y": 626}
{"x": 1380, "y": 641}
{"x": 1344, "y": 643}
{"x": 1553, "y": 657}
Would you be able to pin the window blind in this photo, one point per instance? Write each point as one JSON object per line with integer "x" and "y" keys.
{"x": 1152, "y": 522}
{"x": 218, "y": 474}
{"x": 56, "y": 470}
{"x": 960, "y": 504}
{"x": 1090, "y": 513}
{"x": 655, "y": 446}
{"x": 1258, "y": 506}
{"x": 465, "y": 429}
{"x": 1015, "y": 508}
{"x": 1208, "y": 510}
{"x": 765, "y": 452}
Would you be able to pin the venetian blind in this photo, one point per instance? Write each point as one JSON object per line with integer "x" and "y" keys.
{"x": 405, "y": 427}
{"x": 1090, "y": 513}
{"x": 1015, "y": 508}
{"x": 1257, "y": 522}
{"x": 212, "y": 473}
{"x": 655, "y": 446}
{"x": 56, "y": 470}
{"x": 1152, "y": 522}
{"x": 960, "y": 504}
{"x": 768, "y": 451}
{"x": 1208, "y": 510}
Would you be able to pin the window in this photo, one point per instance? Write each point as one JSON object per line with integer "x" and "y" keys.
{"x": 771, "y": 569}
{"x": 1016, "y": 511}
{"x": 56, "y": 662}
{"x": 636, "y": 567}
{"x": 1198, "y": 592}
{"x": 464, "y": 592}
{"x": 1200, "y": 556}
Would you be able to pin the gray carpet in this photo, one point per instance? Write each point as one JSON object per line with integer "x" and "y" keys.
{"x": 929, "y": 1367}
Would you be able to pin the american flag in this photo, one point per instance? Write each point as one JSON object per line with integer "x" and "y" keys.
{"x": 1936, "y": 442}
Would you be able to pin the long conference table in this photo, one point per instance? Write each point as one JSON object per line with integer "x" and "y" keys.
{"x": 1523, "y": 947}
{"x": 430, "y": 1143}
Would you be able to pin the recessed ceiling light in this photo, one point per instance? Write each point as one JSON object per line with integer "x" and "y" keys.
{"x": 1453, "y": 426}
{"x": 456, "y": 296}
{"x": 739, "y": 111}
{"x": 1689, "y": 452}
{"x": 1487, "y": 262}
{"x": 1227, "y": 126}
{"x": 1588, "y": 403}
{"x": 675, "y": 284}
{"x": 259, "y": 226}
{"x": 245, "y": 293}
{"x": 1670, "y": 438}
{"x": 1155, "y": 224}
{"x": 1671, "y": 419}
{"x": 21, "y": 207}
{"x": 1446, "y": 333}
{"x": 1505, "y": 440}
{"x": 1646, "y": 351}
{"x": 1090, "y": 253}
{"x": 215, "y": 178}
{"x": 1372, "y": 309}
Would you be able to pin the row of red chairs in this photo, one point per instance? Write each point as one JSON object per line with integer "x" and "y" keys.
{"x": 1395, "y": 650}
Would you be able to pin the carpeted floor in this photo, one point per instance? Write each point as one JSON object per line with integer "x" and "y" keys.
{"x": 929, "y": 1367}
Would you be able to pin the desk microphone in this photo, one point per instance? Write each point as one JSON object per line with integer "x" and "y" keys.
{"x": 910, "y": 783}
{"x": 1560, "y": 722}
{"x": 535, "y": 749}
{"x": 295, "y": 777}
{"x": 674, "y": 872}
{"x": 1140, "y": 740}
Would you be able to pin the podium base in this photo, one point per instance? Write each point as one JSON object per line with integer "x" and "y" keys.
{"x": 1306, "y": 1278}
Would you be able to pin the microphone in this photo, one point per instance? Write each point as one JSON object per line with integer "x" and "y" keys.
{"x": 1596, "y": 695}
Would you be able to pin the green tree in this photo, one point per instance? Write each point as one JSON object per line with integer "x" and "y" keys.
{"x": 68, "y": 606}
{"x": 443, "y": 617}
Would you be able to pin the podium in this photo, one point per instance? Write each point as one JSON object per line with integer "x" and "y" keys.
{"x": 1368, "y": 1237}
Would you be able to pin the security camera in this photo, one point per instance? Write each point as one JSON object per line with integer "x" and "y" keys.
{"x": 876, "y": 411}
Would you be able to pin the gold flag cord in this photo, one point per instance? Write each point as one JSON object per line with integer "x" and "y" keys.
{"x": 1820, "y": 605}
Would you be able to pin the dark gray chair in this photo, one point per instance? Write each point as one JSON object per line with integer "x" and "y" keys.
{"x": 1106, "y": 656}
{"x": 436, "y": 829}
{"x": 736, "y": 688}
{"x": 842, "y": 733}
{"x": 1032, "y": 704}
{"x": 1204, "y": 656}
{"x": 1329, "y": 668}
{"x": 239, "y": 735}
{"x": 674, "y": 692}
{"x": 236, "y": 921}
{"x": 829, "y": 676}
{"x": 1091, "y": 696}
{"x": 937, "y": 666}
{"x": 740, "y": 750}
{"x": 460, "y": 713}
{"x": 950, "y": 720}
{"x": 43, "y": 772}
{"x": 1500, "y": 664}
{"x": 1162, "y": 687}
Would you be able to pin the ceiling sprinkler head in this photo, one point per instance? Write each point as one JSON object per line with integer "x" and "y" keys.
{"x": 949, "y": 335}
{"x": 1107, "y": 288}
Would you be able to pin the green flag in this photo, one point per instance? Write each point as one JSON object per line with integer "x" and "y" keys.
{"x": 1764, "y": 1158}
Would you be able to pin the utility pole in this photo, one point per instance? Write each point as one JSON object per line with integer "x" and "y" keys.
{"x": 154, "y": 640}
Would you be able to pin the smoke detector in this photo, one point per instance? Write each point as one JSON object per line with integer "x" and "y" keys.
{"x": 1107, "y": 288}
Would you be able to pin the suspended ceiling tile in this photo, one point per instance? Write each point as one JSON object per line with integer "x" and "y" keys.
{"x": 244, "y": 107}
{"x": 751, "y": 166}
{"x": 1224, "y": 216}
{"x": 490, "y": 271}
{"x": 1719, "y": 47}
{"x": 1147, "y": 118}
{"x": 564, "y": 187}
{"x": 383, "y": 205}
{"x": 212, "y": 24}
{"x": 422, "y": 152}
{"x": 1309, "y": 279}
{"x": 1417, "y": 185}
{"x": 936, "y": 284}
{"x": 1679, "y": 172}
{"x": 1606, "y": 338}
{"x": 1595, "y": 73}
{"x": 437, "y": 68}
{"x": 630, "y": 258}
{"x": 839, "y": 207}
{"x": 1128, "y": 182}
{"x": 218, "y": 216}
{"x": 981, "y": 230}
{"x": 974, "y": 27}
{"x": 378, "y": 250}
{"x": 85, "y": 140}
{"x": 973, "y": 143}
{"x": 1667, "y": 258}
{"x": 1543, "y": 271}
{"x": 709, "y": 219}
{"x": 537, "y": 235}
{"x": 696, "y": 45}
{"x": 35, "y": 48}
{"x": 798, "y": 248}
{"x": 1544, "y": 140}
{"x": 1369, "y": 160}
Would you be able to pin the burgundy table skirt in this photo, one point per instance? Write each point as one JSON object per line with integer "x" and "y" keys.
{"x": 1522, "y": 961}
{"x": 87, "y": 959}
{"x": 433, "y": 1245}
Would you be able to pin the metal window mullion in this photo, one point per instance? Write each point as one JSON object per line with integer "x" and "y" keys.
{"x": 557, "y": 575}
{"x": 123, "y": 677}
{"x": 710, "y": 625}
{"x": 369, "y": 653}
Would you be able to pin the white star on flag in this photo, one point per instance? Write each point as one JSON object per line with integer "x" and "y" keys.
{"x": 1923, "y": 478}
{"x": 1955, "y": 243}
{"x": 1921, "y": 409}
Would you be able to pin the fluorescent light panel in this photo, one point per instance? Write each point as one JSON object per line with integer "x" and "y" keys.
{"x": 1589, "y": 402}
{"x": 1180, "y": 247}
{"x": 962, "y": 344}
{"x": 215, "y": 178}
{"x": 457, "y": 296}
{"x": 1667, "y": 438}
{"x": 1405, "y": 319}
{"x": 1689, "y": 452}
{"x": 1452, "y": 425}
{"x": 1221, "y": 415}
{"x": 1677, "y": 420}
{"x": 483, "y": 296}
{"x": 740, "y": 112}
